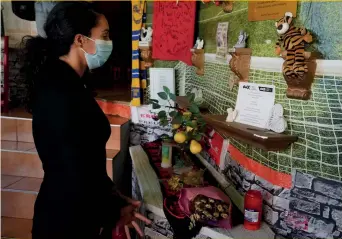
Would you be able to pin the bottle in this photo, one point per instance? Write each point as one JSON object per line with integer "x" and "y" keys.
{"x": 253, "y": 210}
{"x": 119, "y": 233}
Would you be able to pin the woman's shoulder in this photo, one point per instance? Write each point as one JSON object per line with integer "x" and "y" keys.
{"x": 56, "y": 75}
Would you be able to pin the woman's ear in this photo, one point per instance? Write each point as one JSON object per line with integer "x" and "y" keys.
{"x": 79, "y": 40}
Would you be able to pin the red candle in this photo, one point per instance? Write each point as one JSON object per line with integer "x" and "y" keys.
{"x": 253, "y": 210}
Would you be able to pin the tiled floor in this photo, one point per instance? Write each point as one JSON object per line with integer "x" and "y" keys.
{"x": 7, "y": 180}
{"x": 17, "y": 146}
{"x": 20, "y": 183}
{"x": 17, "y": 113}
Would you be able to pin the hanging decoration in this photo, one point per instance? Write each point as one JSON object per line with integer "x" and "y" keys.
{"x": 143, "y": 70}
{"x": 138, "y": 7}
{"x": 198, "y": 56}
{"x": 173, "y": 30}
{"x": 227, "y": 6}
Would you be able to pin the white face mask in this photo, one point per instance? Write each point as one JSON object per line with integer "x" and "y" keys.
{"x": 103, "y": 51}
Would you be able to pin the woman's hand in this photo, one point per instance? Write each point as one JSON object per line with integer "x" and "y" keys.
{"x": 129, "y": 215}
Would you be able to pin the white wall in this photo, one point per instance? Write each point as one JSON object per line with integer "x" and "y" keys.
{"x": 15, "y": 27}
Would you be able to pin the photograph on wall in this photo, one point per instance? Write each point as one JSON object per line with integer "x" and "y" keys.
{"x": 222, "y": 40}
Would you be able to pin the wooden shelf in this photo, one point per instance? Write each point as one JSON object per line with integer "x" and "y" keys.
{"x": 256, "y": 137}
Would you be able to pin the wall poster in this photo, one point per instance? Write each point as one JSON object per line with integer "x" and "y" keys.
{"x": 173, "y": 30}
{"x": 222, "y": 40}
{"x": 269, "y": 10}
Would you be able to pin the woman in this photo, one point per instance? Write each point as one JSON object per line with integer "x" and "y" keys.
{"x": 76, "y": 199}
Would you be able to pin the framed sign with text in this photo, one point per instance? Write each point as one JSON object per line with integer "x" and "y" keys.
{"x": 269, "y": 10}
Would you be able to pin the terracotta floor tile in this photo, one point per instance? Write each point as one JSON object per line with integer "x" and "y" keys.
{"x": 34, "y": 150}
{"x": 9, "y": 129}
{"x": 21, "y": 164}
{"x": 27, "y": 184}
{"x": 18, "y": 113}
{"x": 113, "y": 144}
{"x": 16, "y": 146}
{"x": 114, "y": 139}
{"x": 24, "y": 131}
{"x": 111, "y": 153}
{"x": 116, "y": 120}
{"x": 17, "y": 204}
{"x": 109, "y": 166}
{"x": 7, "y": 180}
{"x": 16, "y": 228}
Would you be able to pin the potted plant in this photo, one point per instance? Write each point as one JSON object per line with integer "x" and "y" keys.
{"x": 188, "y": 126}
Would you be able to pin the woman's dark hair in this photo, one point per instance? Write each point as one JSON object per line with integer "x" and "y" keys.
{"x": 64, "y": 22}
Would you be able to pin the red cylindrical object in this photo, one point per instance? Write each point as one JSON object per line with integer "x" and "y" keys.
{"x": 253, "y": 210}
{"x": 119, "y": 233}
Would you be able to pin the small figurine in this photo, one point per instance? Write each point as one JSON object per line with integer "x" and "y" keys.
{"x": 231, "y": 115}
{"x": 241, "y": 43}
{"x": 199, "y": 43}
{"x": 146, "y": 34}
{"x": 277, "y": 122}
{"x": 198, "y": 96}
{"x": 292, "y": 39}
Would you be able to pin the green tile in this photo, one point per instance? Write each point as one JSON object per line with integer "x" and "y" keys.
{"x": 331, "y": 158}
{"x": 330, "y": 170}
{"x": 313, "y": 166}
{"x": 284, "y": 160}
{"x": 298, "y": 164}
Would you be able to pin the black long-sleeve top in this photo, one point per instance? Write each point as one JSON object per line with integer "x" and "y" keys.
{"x": 70, "y": 133}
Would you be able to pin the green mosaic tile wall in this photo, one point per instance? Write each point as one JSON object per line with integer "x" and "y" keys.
{"x": 321, "y": 18}
{"x": 317, "y": 122}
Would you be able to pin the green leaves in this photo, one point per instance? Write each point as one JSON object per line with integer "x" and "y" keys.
{"x": 188, "y": 117}
{"x": 194, "y": 109}
{"x": 191, "y": 97}
{"x": 162, "y": 114}
{"x": 166, "y": 90}
{"x": 163, "y": 122}
{"x": 163, "y": 95}
{"x": 173, "y": 113}
{"x": 191, "y": 124}
{"x": 172, "y": 96}
{"x": 197, "y": 137}
{"x": 155, "y": 106}
{"x": 177, "y": 119}
{"x": 166, "y": 94}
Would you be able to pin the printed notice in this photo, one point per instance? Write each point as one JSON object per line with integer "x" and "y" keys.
{"x": 221, "y": 40}
{"x": 269, "y": 10}
{"x": 254, "y": 104}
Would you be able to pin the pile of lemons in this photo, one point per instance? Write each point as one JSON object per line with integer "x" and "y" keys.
{"x": 181, "y": 137}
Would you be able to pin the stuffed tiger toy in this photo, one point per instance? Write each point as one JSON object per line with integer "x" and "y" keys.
{"x": 292, "y": 40}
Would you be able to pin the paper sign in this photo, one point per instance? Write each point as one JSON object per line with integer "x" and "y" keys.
{"x": 254, "y": 104}
{"x": 160, "y": 77}
{"x": 268, "y": 10}
{"x": 221, "y": 40}
{"x": 173, "y": 30}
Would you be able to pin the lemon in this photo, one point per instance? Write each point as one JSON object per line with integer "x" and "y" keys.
{"x": 188, "y": 128}
{"x": 187, "y": 115}
{"x": 180, "y": 137}
{"x": 175, "y": 126}
{"x": 195, "y": 147}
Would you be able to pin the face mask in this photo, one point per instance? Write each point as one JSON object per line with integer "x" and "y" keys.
{"x": 103, "y": 51}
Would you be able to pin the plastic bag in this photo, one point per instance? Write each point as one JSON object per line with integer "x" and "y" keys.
{"x": 187, "y": 195}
